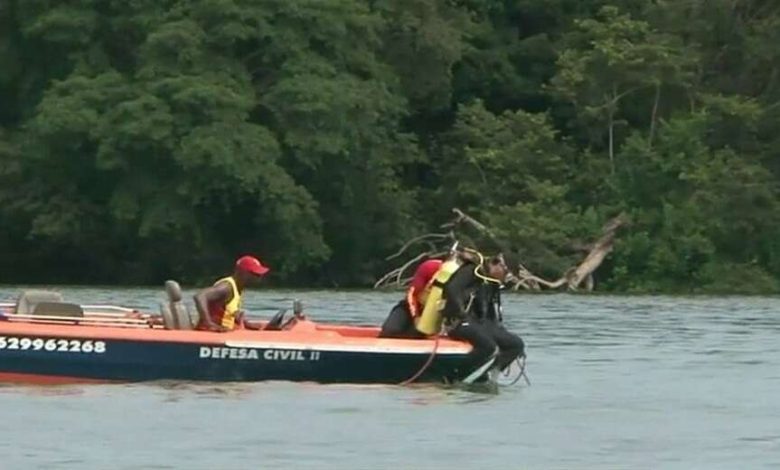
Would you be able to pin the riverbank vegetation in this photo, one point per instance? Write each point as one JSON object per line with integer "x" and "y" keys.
{"x": 147, "y": 139}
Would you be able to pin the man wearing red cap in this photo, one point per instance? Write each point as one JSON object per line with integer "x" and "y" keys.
{"x": 400, "y": 322}
{"x": 219, "y": 306}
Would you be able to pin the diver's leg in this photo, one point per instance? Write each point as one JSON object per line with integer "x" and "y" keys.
{"x": 485, "y": 349}
{"x": 484, "y": 346}
{"x": 510, "y": 344}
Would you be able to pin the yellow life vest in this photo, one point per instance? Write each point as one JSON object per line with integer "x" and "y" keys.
{"x": 232, "y": 307}
{"x": 429, "y": 322}
{"x": 423, "y": 297}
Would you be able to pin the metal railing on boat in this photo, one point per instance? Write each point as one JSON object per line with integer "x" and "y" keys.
{"x": 103, "y": 308}
{"x": 93, "y": 315}
{"x": 86, "y": 321}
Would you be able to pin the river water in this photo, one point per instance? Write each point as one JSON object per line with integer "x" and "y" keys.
{"x": 617, "y": 382}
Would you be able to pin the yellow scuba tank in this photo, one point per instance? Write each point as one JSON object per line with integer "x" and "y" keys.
{"x": 429, "y": 322}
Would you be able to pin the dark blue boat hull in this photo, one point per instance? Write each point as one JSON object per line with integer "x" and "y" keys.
{"x": 135, "y": 361}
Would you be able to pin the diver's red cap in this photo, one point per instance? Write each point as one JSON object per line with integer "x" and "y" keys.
{"x": 252, "y": 265}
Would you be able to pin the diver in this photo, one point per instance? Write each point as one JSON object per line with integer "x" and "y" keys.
{"x": 447, "y": 307}
{"x": 462, "y": 296}
{"x": 464, "y": 299}
{"x": 444, "y": 307}
{"x": 486, "y": 309}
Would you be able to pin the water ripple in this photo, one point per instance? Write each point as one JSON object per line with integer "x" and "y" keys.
{"x": 618, "y": 382}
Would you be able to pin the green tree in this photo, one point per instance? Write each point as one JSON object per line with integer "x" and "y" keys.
{"x": 697, "y": 211}
{"x": 510, "y": 171}
{"x": 610, "y": 58}
{"x": 152, "y": 138}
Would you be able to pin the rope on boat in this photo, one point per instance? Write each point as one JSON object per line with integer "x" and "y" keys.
{"x": 426, "y": 365}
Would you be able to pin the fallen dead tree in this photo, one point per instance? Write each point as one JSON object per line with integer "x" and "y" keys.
{"x": 437, "y": 245}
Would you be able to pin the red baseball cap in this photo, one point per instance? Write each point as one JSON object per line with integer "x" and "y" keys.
{"x": 252, "y": 265}
{"x": 425, "y": 272}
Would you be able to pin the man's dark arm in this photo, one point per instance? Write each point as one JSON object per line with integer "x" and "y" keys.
{"x": 219, "y": 293}
{"x": 251, "y": 324}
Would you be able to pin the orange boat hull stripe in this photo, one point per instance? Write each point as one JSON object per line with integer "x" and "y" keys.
{"x": 327, "y": 338}
{"x": 11, "y": 377}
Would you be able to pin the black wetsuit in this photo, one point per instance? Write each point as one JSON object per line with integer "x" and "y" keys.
{"x": 480, "y": 325}
{"x": 457, "y": 293}
{"x": 486, "y": 308}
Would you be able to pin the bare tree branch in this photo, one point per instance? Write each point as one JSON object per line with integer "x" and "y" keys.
{"x": 520, "y": 277}
{"x": 394, "y": 277}
{"x": 427, "y": 237}
{"x": 583, "y": 272}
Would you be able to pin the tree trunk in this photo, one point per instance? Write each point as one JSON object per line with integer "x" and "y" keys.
{"x": 654, "y": 114}
{"x": 612, "y": 107}
{"x": 600, "y": 249}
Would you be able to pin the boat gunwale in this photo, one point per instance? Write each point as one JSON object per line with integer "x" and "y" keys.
{"x": 328, "y": 339}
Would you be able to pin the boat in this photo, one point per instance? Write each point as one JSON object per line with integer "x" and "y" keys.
{"x": 47, "y": 340}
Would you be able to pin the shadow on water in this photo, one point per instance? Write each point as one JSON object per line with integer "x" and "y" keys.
{"x": 171, "y": 392}
{"x": 64, "y": 390}
{"x": 460, "y": 393}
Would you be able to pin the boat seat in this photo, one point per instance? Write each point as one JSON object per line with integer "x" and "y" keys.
{"x": 58, "y": 309}
{"x": 176, "y": 315}
{"x": 167, "y": 316}
{"x": 28, "y": 300}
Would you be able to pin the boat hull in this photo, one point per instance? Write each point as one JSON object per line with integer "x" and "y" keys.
{"x": 42, "y": 353}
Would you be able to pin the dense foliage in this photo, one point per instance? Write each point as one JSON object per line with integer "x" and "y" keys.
{"x": 142, "y": 139}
